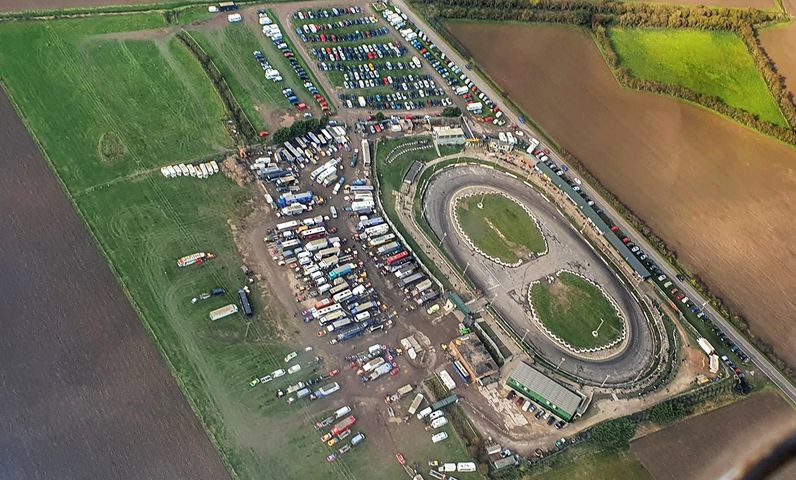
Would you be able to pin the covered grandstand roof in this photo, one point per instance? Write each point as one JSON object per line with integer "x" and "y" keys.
{"x": 545, "y": 390}
{"x": 598, "y": 222}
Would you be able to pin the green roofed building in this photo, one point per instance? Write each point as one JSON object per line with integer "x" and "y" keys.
{"x": 545, "y": 391}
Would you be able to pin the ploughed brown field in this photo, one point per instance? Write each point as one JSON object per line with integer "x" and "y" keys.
{"x": 708, "y": 445}
{"x": 720, "y": 194}
{"x": 85, "y": 394}
{"x": 19, "y": 5}
{"x": 780, "y": 43}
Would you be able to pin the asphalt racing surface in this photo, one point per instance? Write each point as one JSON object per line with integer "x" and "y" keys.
{"x": 84, "y": 394}
{"x": 507, "y": 288}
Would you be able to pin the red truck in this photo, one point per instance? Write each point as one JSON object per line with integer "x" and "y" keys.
{"x": 343, "y": 425}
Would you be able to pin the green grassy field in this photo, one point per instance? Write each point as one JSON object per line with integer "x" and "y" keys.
{"x": 83, "y": 84}
{"x": 572, "y": 308}
{"x": 586, "y": 463}
{"x": 502, "y": 229}
{"x": 231, "y": 49}
{"x": 714, "y": 63}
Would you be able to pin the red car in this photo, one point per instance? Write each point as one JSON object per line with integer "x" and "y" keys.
{"x": 679, "y": 296}
{"x": 334, "y": 372}
{"x": 400, "y": 459}
{"x": 625, "y": 240}
{"x": 614, "y": 228}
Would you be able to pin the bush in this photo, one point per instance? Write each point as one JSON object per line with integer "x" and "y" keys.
{"x": 298, "y": 129}
{"x": 451, "y": 112}
{"x": 614, "y": 434}
{"x": 668, "y": 412}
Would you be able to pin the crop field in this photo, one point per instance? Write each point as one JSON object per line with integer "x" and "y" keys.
{"x": 86, "y": 394}
{"x": 573, "y": 309}
{"x": 778, "y": 42}
{"x": 501, "y": 229}
{"x": 712, "y": 189}
{"x": 713, "y": 63}
{"x": 707, "y": 445}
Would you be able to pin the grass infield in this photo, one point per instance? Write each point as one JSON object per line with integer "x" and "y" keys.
{"x": 502, "y": 229}
{"x": 572, "y": 308}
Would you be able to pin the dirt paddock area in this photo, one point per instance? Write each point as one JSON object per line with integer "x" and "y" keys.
{"x": 708, "y": 445}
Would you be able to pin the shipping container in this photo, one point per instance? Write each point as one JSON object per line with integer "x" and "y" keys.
{"x": 224, "y": 311}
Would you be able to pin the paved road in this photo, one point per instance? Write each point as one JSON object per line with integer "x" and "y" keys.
{"x": 507, "y": 287}
{"x": 764, "y": 365}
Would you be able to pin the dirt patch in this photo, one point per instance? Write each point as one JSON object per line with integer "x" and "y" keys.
{"x": 111, "y": 147}
{"x": 708, "y": 445}
{"x": 235, "y": 170}
{"x": 718, "y": 193}
{"x": 85, "y": 393}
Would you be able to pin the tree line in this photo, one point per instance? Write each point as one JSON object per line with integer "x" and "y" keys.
{"x": 598, "y": 16}
{"x": 243, "y": 126}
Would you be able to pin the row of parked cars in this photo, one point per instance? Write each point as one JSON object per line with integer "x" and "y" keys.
{"x": 538, "y": 412}
{"x": 359, "y": 53}
{"x": 311, "y": 14}
{"x": 354, "y": 36}
{"x": 313, "y": 28}
{"x": 393, "y": 101}
{"x": 377, "y": 67}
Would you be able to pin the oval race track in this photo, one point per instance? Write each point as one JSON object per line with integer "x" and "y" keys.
{"x": 506, "y": 288}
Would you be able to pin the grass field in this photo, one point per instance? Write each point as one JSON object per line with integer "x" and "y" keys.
{"x": 502, "y": 229}
{"x": 572, "y": 308}
{"x": 586, "y": 463}
{"x": 159, "y": 107}
{"x": 714, "y": 63}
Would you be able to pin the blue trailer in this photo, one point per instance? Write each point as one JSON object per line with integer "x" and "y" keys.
{"x": 244, "y": 302}
{"x": 352, "y": 332}
{"x": 289, "y": 199}
{"x": 371, "y": 222}
{"x": 341, "y": 271}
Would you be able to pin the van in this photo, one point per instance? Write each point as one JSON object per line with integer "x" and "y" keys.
{"x": 333, "y": 210}
{"x": 465, "y": 467}
{"x": 438, "y": 437}
{"x": 439, "y": 422}
{"x": 342, "y": 411}
{"x": 526, "y": 405}
{"x": 357, "y": 439}
{"x": 316, "y": 275}
{"x": 423, "y": 413}
{"x": 324, "y": 288}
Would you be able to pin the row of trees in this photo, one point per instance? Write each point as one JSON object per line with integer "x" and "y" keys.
{"x": 242, "y": 124}
{"x": 299, "y": 129}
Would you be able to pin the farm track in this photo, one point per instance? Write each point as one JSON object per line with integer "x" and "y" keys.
{"x": 86, "y": 395}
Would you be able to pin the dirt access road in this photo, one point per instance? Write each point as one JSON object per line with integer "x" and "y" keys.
{"x": 85, "y": 393}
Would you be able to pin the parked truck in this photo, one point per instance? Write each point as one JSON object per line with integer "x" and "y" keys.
{"x": 382, "y": 369}
{"x": 195, "y": 259}
{"x": 343, "y": 425}
{"x": 224, "y": 311}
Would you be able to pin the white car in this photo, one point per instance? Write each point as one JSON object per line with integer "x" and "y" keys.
{"x": 278, "y": 373}
{"x": 290, "y": 356}
{"x": 266, "y": 379}
{"x": 438, "y": 437}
